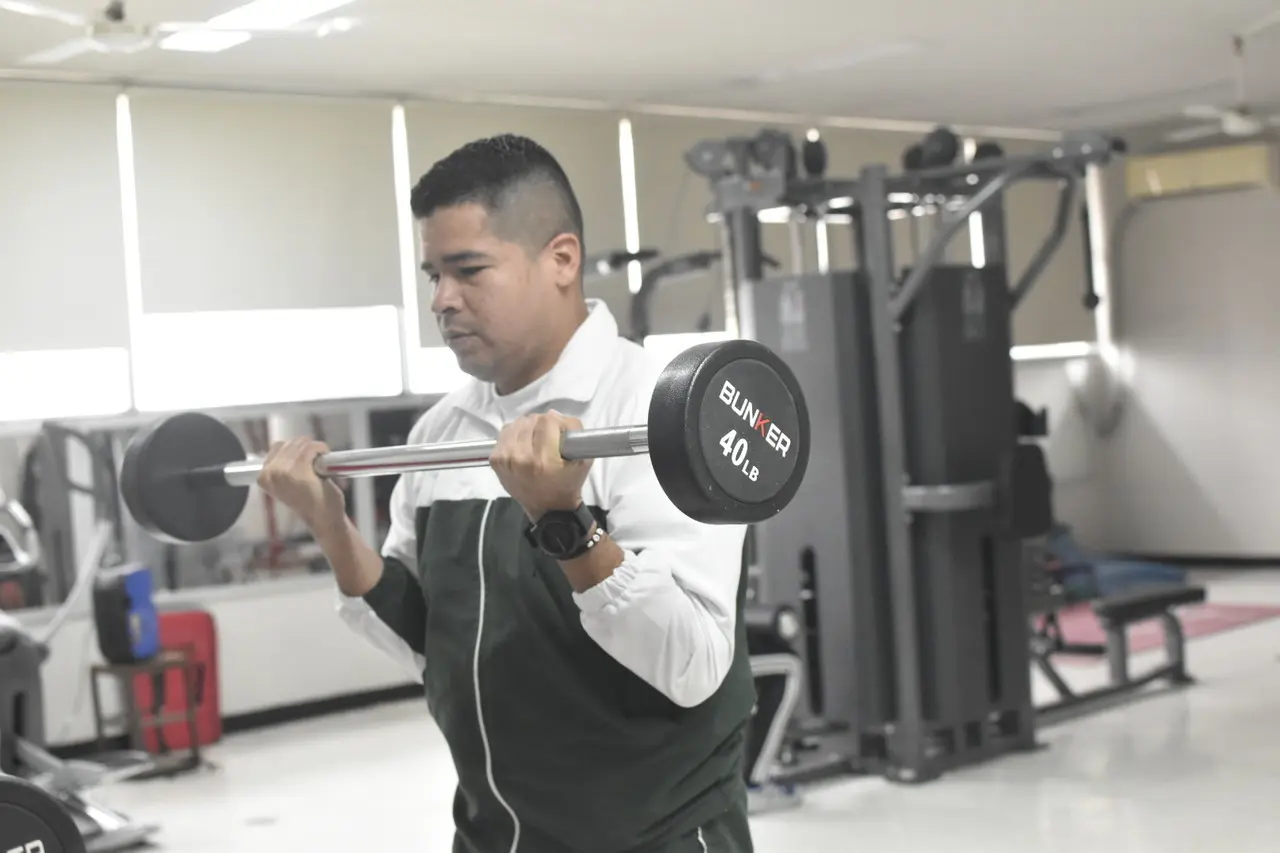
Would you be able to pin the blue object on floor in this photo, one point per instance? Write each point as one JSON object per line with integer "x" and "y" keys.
{"x": 1086, "y": 576}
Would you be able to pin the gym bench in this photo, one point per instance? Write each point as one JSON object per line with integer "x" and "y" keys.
{"x": 1115, "y": 614}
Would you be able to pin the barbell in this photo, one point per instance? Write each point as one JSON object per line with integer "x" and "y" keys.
{"x": 727, "y": 435}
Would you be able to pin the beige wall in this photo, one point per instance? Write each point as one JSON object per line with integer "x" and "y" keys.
{"x": 1053, "y": 311}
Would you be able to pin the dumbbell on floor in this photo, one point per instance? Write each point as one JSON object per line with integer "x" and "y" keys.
{"x": 727, "y": 434}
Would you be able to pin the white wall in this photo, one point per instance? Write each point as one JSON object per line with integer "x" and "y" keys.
{"x": 1193, "y": 468}
{"x": 279, "y": 644}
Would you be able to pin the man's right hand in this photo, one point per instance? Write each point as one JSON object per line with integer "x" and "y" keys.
{"x": 289, "y": 475}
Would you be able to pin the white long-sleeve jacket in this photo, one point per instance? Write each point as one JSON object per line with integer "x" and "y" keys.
{"x": 667, "y": 613}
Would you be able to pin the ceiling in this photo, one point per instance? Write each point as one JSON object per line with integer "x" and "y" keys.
{"x": 1042, "y": 64}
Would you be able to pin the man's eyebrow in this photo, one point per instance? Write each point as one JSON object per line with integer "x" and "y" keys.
{"x": 455, "y": 258}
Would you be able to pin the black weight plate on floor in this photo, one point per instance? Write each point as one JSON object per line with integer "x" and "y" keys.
{"x": 161, "y": 494}
{"x": 729, "y": 432}
{"x": 31, "y": 821}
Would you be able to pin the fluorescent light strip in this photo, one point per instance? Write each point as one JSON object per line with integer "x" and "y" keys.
{"x": 42, "y": 384}
{"x": 266, "y": 14}
{"x": 1052, "y": 352}
{"x": 204, "y": 41}
{"x": 1100, "y": 262}
{"x": 977, "y": 242}
{"x": 630, "y": 203}
{"x": 129, "y": 220}
{"x": 427, "y": 370}
{"x": 210, "y": 359}
{"x": 411, "y": 334}
{"x": 977, "y": 238}
{"x": 820, "y": 237}
{"x": 666, "y": 347}
{"x": 229, "y": 28}
{"x": 774, "y": 216}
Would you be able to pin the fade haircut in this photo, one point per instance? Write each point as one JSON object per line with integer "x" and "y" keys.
{"x": 522, "y": 187}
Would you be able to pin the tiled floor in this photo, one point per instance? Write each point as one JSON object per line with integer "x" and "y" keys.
{"x": 1197, "y": 770}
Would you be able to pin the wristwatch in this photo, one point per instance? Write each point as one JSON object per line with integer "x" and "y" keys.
{"x": 565, "y": 534}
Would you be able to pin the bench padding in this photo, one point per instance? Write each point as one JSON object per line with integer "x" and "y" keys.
{"x": 1146, "y": 602}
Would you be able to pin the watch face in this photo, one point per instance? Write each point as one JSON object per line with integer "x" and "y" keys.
{"x": 560, "y": 537}
{"x": 562, "y": 532}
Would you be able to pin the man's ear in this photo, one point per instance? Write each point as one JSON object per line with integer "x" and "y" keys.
{"x": 564, "y": 255}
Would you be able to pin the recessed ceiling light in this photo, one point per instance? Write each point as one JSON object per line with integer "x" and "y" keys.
{"x": 204, "y": 41}
{"x": 237, "y": 25}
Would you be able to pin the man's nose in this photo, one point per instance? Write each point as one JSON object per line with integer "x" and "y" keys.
{"x": 446, "y": 296}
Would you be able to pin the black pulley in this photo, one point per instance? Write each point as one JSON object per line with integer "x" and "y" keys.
{"x": 988, "y": 150}
{"x": 913, "y": 158}
{"x": 939, "y": 147}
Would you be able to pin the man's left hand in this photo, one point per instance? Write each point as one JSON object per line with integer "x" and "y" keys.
{"x": 528, "y": 463}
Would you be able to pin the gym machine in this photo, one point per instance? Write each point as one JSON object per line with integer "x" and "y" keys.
{"x": 43, "y": 797}
{"x": 903, "y": 548}
{"x": 663, "y": 272}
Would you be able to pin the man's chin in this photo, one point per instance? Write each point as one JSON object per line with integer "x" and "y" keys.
{"x": 475, "y": 368}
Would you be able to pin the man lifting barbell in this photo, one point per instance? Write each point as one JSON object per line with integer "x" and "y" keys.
{"x": 578, "y": 632}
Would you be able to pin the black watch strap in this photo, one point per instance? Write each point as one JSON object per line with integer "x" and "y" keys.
{"x": 594, "y": 534}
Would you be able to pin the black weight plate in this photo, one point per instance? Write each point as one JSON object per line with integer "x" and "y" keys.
{"x": 161, "y": 493}
{"x": 692, "y": 412}
{"x": 747, "y": 424}
{"x": 31, "y": 821}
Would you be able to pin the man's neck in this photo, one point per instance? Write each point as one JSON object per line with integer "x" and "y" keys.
{"x": 543, "y": 365}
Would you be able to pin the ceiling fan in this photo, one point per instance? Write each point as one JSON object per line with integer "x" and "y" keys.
{"x": 1237, "y": 121}
{"x": 110, "y": 30}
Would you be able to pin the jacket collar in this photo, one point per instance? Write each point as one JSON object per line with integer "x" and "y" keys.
{"x": 575, "y": 377}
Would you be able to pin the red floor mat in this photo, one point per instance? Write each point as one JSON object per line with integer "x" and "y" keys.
{"x": 1079, "y": 625}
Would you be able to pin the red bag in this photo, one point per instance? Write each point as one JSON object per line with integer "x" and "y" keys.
{"x": 194, "y": 631}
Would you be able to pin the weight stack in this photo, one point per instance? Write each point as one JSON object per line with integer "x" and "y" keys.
{"x": 820, "y": 553}
{"x": 959, "y": 428}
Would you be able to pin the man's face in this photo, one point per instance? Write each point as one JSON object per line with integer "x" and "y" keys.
{"x": 491, "y": 296}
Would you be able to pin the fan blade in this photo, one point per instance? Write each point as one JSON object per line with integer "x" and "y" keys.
{"x": 1191, "y": 134}
{"x": 1204, "y": 112}
{"x": 39, "y": 10}
{"x": 62, "y": 52}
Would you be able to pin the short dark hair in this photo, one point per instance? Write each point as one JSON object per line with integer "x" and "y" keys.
{"x": 514, "y": 178}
